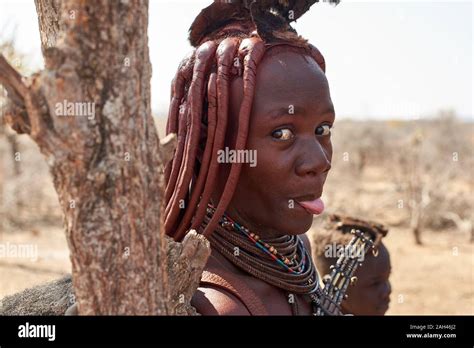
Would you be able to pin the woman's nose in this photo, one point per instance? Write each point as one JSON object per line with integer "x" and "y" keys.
{"x": 314, "y": 159}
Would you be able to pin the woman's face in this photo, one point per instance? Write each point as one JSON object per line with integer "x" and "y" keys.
{"x": 289, "y": 132}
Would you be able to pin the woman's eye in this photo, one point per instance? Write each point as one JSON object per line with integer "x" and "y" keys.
{"x": 323, "y": 130}
{"x": 283, "y": 134}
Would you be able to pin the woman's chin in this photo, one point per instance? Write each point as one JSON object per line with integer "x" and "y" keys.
{"x": 302, "y": 219}
{"x": 297, "y": 224}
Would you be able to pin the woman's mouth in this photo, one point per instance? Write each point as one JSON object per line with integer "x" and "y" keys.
{"x": 315, "y": 206}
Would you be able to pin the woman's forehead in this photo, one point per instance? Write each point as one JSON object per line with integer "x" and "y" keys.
{"x": 282, "y": 60}
{"x": 285, "y": 77}
{"x": 287, "y": 71}
{"x": 290, "y": 78}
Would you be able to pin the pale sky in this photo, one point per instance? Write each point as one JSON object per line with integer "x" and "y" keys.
{"x": 385, "y": 59}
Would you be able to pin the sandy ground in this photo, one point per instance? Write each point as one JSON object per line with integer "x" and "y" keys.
{"x": 48, "y": 259}
{"x": 436, "y": 278}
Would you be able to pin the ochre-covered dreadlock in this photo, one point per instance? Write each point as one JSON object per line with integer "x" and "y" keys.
{"x": 199, "y": 109}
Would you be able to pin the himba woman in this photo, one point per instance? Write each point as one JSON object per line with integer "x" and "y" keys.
{"x": 253, "y": 85}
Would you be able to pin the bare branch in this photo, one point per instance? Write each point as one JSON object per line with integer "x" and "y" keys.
{"x": 16, "y": 117}
{"x": 14, "y": 111}
{"x": 12, "y": 82}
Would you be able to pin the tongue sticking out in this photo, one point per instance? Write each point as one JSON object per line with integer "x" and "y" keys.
{"x": 314, "y": 207}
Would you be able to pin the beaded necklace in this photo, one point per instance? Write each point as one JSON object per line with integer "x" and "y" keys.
{"x": 283, "y": 262}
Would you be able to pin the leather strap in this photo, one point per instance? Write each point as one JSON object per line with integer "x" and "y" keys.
{"x": 235, "y": 286}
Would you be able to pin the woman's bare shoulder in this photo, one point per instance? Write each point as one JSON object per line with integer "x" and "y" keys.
{"x": 216, "y": 301}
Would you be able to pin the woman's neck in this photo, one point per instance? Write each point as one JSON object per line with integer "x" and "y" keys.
{"x": 264, "y": 232}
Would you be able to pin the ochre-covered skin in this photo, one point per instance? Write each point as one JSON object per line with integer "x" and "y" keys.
{"x": 265, "y": 200}
{"x": 234, "y": 96}
{"x": 229, "y": 104}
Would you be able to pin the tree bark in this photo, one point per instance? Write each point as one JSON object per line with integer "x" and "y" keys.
{"x": 89, "y": 112}
{"x": 185, "y": 265}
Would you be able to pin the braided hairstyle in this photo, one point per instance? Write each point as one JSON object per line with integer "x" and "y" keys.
{"x": 337, "y": 229}
{"x": 230, "y": 39}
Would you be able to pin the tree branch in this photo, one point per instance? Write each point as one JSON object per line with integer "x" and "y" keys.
{"x": 14, "y": 111}
{"x": 12, "y": 82}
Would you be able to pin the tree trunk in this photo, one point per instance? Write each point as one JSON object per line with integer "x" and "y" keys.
{"x": 89, "y": 112}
